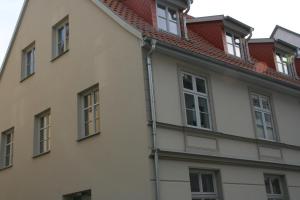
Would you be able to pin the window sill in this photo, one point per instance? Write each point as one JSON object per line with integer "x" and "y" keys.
{"x": 5, "y": 168}
{"x": 41, "y": 154}
{"x": 60, "y": 55}
{"x": 87, "y": 137}
{"x": 27, "y": 77}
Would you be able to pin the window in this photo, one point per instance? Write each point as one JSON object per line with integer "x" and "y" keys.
{"x": 84, "y": 195}
{"x": 90, "y": 112}
{"x": 61, "y": 38}
{"x": 7, "y": 148}
{"x": 203, "y": 185}
{"x": 196, "y": 101}
{"x": 275, "y": 187}
{"x": 263, "y": 117}
{"x": 283, "y": 64}
{"x": 233, "y": 45}
{"x": 28, "y": 64}
{"x": 42, "y": 133}
{"x": 167, "y": 19}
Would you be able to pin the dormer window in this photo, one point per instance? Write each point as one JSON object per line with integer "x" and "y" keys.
{"x": 233, "y": 44}
{"x": 167, "y": 19}
{"x": 282, "y": 64}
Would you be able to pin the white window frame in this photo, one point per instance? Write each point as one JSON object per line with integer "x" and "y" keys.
{"x": 281, "y": 185}
{"x": 233, "y": 37}
{"x": 197, "y": 94}
{"x": 167, "y": 8}
{"x": 288, "y": 71}
{"x": 5, "y": 144}
{"x": 82, "y": 121}
{"x": 205, "y": 195}
{"x": 64, "y": 25}
{"x": 263, "y": 112}
{"x": 38, "y": 140}
{"x": 28, "y": 70}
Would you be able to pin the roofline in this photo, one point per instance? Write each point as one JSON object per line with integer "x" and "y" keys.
{"x": 262, "y": 40}
{"x": 13, "y": 37}
{"x": 99, "y": 4}
{"x": 293, "y": 87}
{"x": 219, "y": 18}
{"x": 285, "y": 29}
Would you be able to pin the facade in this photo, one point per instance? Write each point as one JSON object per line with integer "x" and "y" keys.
{"x": 134, "y": 99}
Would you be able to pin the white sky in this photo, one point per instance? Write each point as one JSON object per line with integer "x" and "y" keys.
{"x": 262, "y": 15}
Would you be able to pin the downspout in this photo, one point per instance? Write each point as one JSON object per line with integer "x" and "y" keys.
{"x": 153, "y": 118}
{"x": 247, "y": 52}
{"x": 189, "y": 2}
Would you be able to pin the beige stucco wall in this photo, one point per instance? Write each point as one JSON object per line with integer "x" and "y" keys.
{"x": 100, "y": 52}
{"x": 230, "y": 100}
{"x": 237, "y": 182}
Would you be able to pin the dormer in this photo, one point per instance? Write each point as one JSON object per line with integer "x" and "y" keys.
{"x": 276, "y": 54}
{"x": 224, "y": 32}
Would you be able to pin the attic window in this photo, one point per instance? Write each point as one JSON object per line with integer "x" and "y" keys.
{"x": 233, "y": 43}
{"x": 283, "y": 64}
{"x": 167, "y": 19}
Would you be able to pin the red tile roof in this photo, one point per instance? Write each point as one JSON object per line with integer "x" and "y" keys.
{"x": 196, "y": 44}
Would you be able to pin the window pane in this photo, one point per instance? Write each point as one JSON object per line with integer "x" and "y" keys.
{"x": 191, "y": 117}
{"x": 260, "y": 131}
{"x": 204, "y": 116}
{"x": 270, "y": 134}
{"x": 258, "y": 117}
{"x": 200, "y": 83}
{"x": 207, "y": 183}
{"x": 267, "y": 184}
{"x": 162, "y": 23}
{"x": 230, "y": 49}
{"x": 237, "y": 51}
{"x": 268, "y": 120}
{"x": 203, "y": 105}
{"x": 187, "y": 82}
{"x": 89, "y": 129}
{"x": 276, "y": 186}
{"x": 278, "y": 59}
{"x": 189, "y": 101}
{"x": 97, "y": 118}
{"x": 194, "y": 178}
{"x": 173, "y": 27}
{"x": 265, "y": 103}
{"x": 229, "y": 39}
{"x": 172, "y": 15}
{"x": 87, "y": 100}
{"x": 280, "y": 67}
{"x": 161, "y": 11}
{"x": 255, "y": 101}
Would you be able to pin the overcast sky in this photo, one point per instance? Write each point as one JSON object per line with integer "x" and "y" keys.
{"x": 262, "y": 15}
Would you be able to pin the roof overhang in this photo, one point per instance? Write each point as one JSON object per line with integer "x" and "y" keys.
{"x": 181, "y": 4}
{"x": 256, "y": 78}
{"x": 229, "y": 23}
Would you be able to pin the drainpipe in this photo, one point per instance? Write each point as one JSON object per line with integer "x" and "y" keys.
{"x": 247, "y": 48}
{"x": 189, "y": 2}
{"x": 153, "y": 118}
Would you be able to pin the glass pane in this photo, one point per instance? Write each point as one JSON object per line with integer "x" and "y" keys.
{"x": 172, "y": 15}
{"x": 187, "y": 82}
{"x": 255, "y": 101}
{"x": 8, "y": 138}
{"x": 189, "y": 101}
{"x": 284, "y": 59}
{"x": 285, "y": 69}
{"x": 229, "y": 39}
{"x": 230, "y": 49}
{"x": 237, "y": 41}
{"x": 205, "y": 120}
{"x": 258, "y": 117}
{"x": 270, "y": 134}
{"x": 276, "y": 186}
{"x": 208, "y": 183}
{"x": 191, "y": 117}
{"x": 201, "y": 87}
{"x": 161, "y": 11}
{"x": 267, "y": 184}
{"x": 42, "y": 123}
{"x": 195, "y": 186}
{"x": 203, "y": 105}
{"x": 278, "y": 59}
{"x": 268, "y": 120}
{"x": 42, "y": 147}
{"x": 61, "y": 40}
{"x": 173, "y": 27}
{"x": 237, "y": 51}
{"x": 88, "y": 115}
{"x": 265, "y": 103}
{"x": 280, "y": 67}
{"x": 260, "y": 131}
{"x": 162, "y": 23}
{"x": 87, "y": 100}
{"x": 96, "y": 97}
{"x": 89, "y": 129}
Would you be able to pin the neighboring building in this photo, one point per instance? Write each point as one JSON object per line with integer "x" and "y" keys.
{"x": 133, "y": 99}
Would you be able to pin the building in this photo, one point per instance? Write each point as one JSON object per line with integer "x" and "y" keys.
{"x": 135, "y": 99}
